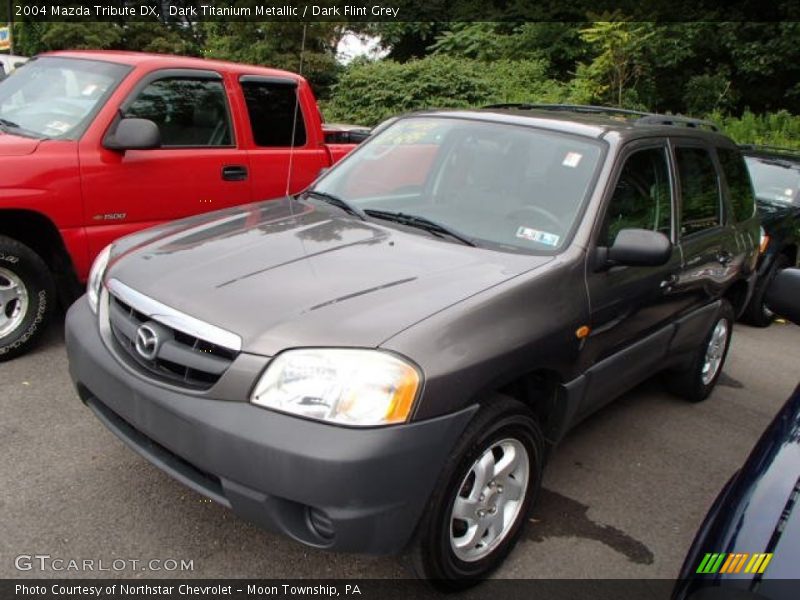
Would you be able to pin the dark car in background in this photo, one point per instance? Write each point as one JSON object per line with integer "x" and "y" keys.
{"x": 383, "y": 363}
{"x": 775, "y": 173}
{"x": 748, "y": 547}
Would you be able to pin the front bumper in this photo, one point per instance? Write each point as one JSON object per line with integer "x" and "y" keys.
{"x": 354, "y": 490}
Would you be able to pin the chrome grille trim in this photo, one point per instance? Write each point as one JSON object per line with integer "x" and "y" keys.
{"x": 173, "y": 318}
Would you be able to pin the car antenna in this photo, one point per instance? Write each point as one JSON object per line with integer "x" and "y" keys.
{"x": 296, "y": 110}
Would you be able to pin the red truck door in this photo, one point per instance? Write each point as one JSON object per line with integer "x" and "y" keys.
{"x": 271, "y": 104}
{"x": 199, "y": 167}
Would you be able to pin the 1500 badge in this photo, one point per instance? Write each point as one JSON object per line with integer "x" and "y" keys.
{"x": 111, "y": 217}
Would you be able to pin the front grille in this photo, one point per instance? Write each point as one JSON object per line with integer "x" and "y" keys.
{"x": 181, "y": 359}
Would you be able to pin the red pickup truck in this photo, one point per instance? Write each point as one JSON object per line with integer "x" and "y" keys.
{"x": 96, "y": 145}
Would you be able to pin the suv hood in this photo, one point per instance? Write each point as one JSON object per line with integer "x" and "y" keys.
{"x": 318, "y": 278}
{"x": 14, "y": 145}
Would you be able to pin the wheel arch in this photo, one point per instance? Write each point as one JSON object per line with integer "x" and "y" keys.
{"x": 543, "y": 392}
{"x": 41, "y": 235}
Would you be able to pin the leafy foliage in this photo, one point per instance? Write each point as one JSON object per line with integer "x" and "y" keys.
{"x": 771, "y": 129}
{"x": 369, "y": 92}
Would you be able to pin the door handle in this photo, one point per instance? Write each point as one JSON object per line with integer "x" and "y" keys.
{"x": 724, "y": 257}
{"x": 234, "y": 173}
{"x": 667, "y": 284}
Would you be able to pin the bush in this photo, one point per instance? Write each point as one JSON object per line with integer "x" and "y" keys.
{"x": 771, "y": 129}
{"x": 369, "y": 92}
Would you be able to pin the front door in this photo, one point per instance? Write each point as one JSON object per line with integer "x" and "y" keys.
{"x": 631, "y": 307}
{"x": 198, "y": 167}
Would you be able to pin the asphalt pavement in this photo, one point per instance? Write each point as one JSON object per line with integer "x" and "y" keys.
{"x": 623, "y": 494}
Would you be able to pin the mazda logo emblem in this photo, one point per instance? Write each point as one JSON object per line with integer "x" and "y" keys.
{"x": 147, "y": 342}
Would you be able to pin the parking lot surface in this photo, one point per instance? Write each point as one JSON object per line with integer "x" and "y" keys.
{"x": 623, "y": 494}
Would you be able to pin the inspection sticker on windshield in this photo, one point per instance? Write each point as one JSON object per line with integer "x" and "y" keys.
{"x": 541, "y": 237}
{"x": 572, "y": 159}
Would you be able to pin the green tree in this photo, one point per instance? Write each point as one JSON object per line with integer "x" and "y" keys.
{"x": 619, "y": 61}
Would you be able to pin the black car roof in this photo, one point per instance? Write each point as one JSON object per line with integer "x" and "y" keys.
{"x": 785, "y": 156}
{"x": 592, "y": 121}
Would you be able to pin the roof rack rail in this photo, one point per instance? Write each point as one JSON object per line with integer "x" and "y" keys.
{"x": 677, "y": 120}
{"x": 775, "y": 149}
{"x": 644, "y": 118}
{"x": 585, "y": 108}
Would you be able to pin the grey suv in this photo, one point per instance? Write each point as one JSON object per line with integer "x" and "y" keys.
{"x": 383, "y": 363}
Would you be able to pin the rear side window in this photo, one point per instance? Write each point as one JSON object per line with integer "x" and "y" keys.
{"x": 739, "y": 186}
{"x": 189, "y": 112}
{"x": 642, "y": 197}
{"x": 699, "y": 190}
{"x": 272, "y": 108}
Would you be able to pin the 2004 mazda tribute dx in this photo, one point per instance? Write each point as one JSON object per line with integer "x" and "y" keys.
{"x": 383, "y": 363}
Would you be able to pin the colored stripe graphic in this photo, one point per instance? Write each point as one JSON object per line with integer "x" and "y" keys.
{"x": 733, "y": 563}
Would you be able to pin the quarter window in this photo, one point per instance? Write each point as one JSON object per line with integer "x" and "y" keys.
{"x": 642, "y": 197}
{"x": 699, "y": 190}
{"x": 189, "y": 112}
{"x": 272, "y": 108}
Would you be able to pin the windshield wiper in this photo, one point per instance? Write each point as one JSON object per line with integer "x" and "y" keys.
{"x": 337, "y": 202}
{"x": 5, "y": 124}
{"x": 421, "y": 223}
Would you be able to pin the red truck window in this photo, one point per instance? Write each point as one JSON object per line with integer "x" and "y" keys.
{"x": 272, "y": 107}
{"x": 189, "y": 112}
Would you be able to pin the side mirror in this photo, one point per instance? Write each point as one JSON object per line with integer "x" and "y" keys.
{"x": 783, "y": 295}
{"x": 134, "y": 134}
{"x": 639, "y": 248}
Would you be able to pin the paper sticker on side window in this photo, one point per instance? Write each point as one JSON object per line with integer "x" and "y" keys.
{"x": 541, "y": 237}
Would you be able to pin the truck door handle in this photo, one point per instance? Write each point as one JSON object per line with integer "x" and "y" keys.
{"x": 234, "y": 173}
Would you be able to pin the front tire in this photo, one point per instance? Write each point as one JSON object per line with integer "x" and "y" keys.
{"x": 696, "y": 380}
{"x": 27, "y": 298}
{"x": 479, "y": 505}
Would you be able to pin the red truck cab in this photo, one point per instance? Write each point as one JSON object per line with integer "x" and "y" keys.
{"x": 228, "y": 134}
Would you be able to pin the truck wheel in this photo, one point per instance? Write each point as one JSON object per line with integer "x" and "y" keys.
{"x": 697, "y": 378}
{"x": 479, "y": 505}
{"x": 27, "y": 298}
{"x": 757, "y": 313}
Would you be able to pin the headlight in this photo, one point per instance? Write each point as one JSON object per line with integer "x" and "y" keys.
{"x": 96, "y": 277}
{"x": 352, "y": 387}
{"x": 763, "y": 243}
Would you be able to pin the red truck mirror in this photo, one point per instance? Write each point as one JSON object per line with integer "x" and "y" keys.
{"x": 134, "y": 134}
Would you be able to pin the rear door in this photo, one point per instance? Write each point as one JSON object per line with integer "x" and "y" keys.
{"x": 198, "y": 168}
{"x": 284, "y": 140}
{"x": 708, "y": 241}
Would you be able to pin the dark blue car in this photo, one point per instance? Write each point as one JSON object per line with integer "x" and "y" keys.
{"x": 749, "y": 544}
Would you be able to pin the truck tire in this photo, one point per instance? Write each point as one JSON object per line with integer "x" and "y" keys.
{"x": 696, "y": 379}
{"x": 27, "y": 298}
{"x": 757, "y": 313}
{"x": 491, "y": 480}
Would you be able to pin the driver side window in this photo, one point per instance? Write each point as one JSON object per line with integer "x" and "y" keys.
{"x": 642, "y": 198}
{"x": 189, "y": 112}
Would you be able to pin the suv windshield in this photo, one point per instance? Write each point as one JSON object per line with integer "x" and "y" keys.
{"x": 774, "y": 179}
{"x": 55, "y": 97}
{"x": 498, "y": 185}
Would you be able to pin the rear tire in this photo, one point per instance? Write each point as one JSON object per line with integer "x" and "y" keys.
{"x": 757, "y": 313}
{"x": 696, "y": 379}
{"x": 494, "y": 474}
{"x": 27, "y": 298}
